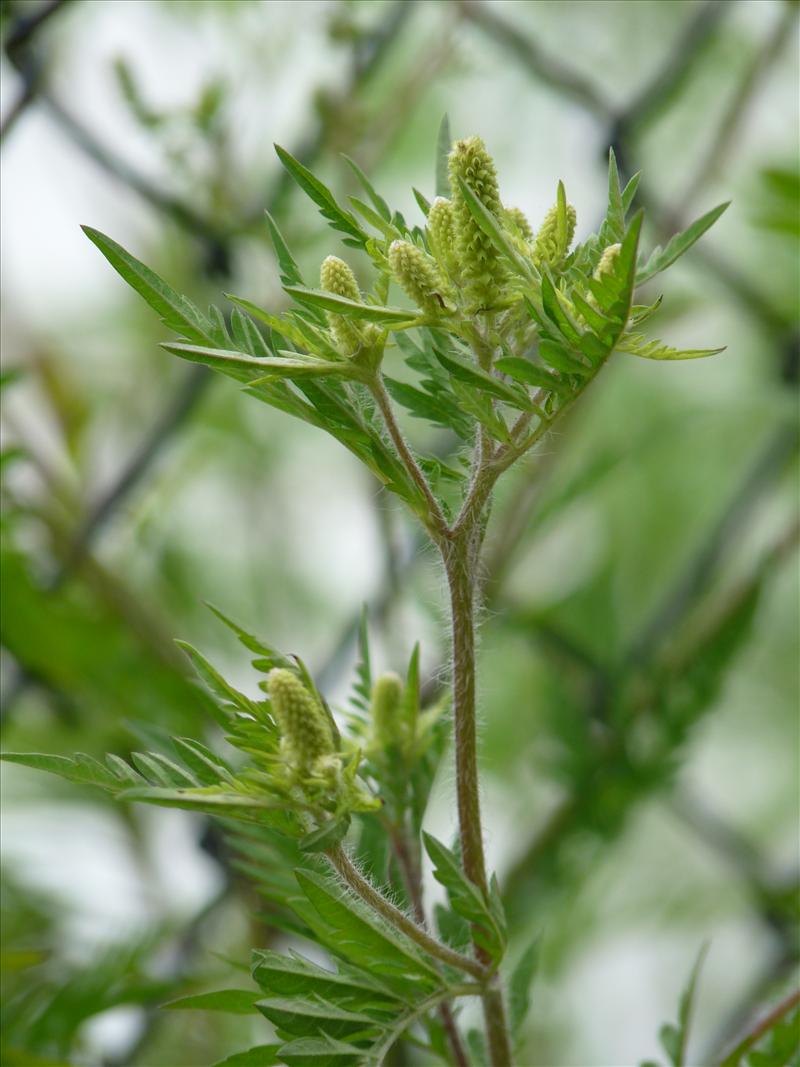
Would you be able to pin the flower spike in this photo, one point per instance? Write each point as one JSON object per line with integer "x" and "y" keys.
{"x": 305, "y": 733}
{"x": 482, "y": 270}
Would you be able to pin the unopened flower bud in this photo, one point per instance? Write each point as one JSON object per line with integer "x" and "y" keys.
{"x": 607, "y": 261}
{"x": 305, "y": 732}
{"x": 336, "y": 277}
{"x": 604, "y": 266}
{"x": 442, "y": 232}
{"x": 417, "y": 275}
{"x": 387, "y": 694}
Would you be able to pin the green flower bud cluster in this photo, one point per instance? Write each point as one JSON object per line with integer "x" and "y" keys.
{"x": 516, "y": 216}
{"x": 482, "y": 271}
{"x": 400, "y": 731}
{"x": 418, "y": 275}
{"x": 550, "y": 247}
{"x": 607, "y": 261}
{"x": 336, "y": 277}
{"x": 327, "y": 777}
{"x": 305, "y": 731}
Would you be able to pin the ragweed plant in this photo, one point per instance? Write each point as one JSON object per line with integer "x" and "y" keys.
{"x": 501, "y": 327}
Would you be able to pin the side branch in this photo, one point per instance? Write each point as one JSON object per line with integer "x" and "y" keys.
{"x": 362, "y": 888}
{"x": 437, "y": 524}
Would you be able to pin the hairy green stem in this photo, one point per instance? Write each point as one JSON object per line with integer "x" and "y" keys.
{"x": 370, "y": 895}
{"x": 459, "y": 562}
{"x": 461, "y": 556}
{"x": 461, "y": 565}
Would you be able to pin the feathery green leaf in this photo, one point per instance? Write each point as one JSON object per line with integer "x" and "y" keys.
{"x": 176, "y": 311}
{"x": 338, "y": 218}
{"x": 661, "y": 258}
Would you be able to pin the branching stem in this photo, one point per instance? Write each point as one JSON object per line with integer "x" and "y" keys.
{"x": 460, "y": 547}
{"x": 461, "y": 552}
